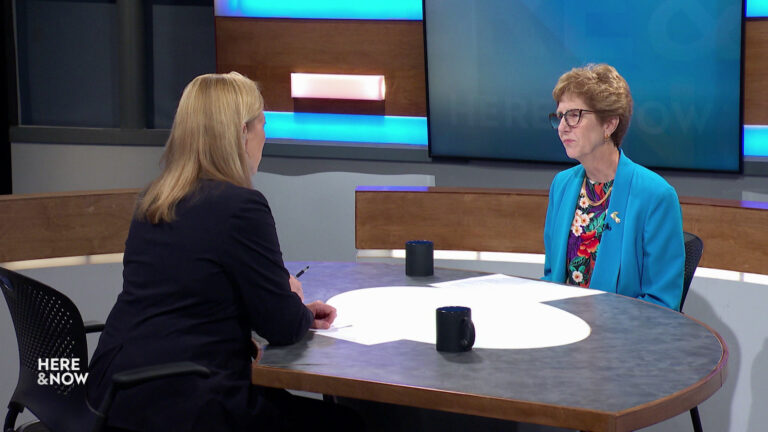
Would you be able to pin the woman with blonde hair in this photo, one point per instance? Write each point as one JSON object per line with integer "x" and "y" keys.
{"x": 202, "y": 269}
{"x": 611, "y": 224}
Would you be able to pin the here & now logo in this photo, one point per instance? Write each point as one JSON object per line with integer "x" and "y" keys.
{"x": 53, "y": 371}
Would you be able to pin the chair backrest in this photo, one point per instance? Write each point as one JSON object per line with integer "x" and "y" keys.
{"x": 694, "y": 247}
{"x": 48, "y": 326}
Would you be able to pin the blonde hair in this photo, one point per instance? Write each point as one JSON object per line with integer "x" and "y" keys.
{"x": 603, "y": 90}
{"x": 206, "y": 142}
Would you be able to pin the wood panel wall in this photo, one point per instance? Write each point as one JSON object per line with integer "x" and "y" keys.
{"x": 64, "y": 224}
{"x": 505, "y": 220}
{"x": 508, "y": 220}
{"x": 500, "y": 220}
{"x": 268, "y": 50}
{"x": 755, "y": 97}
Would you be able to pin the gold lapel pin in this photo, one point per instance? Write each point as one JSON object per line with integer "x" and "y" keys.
{"x": 615, "y": 217}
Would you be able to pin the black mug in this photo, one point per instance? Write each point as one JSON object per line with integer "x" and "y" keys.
{"x": 455, "y": 329}
{"x": 419, "y": 258}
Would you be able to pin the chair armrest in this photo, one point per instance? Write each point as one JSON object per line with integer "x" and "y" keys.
{"x": 133, "y": 377}
{"x": 93, "y": 326}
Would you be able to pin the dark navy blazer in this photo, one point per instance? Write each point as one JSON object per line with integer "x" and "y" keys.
{"x": 193, "y": 289}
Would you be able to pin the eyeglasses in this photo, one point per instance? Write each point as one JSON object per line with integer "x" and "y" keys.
{"x": 572, "y": 117}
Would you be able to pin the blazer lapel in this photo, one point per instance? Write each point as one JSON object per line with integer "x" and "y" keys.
{"x": 606, "y": 272}
{"x": 564, "y": 220}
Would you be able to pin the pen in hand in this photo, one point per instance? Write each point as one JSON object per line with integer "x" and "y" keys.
{"x": 301, "y": 272}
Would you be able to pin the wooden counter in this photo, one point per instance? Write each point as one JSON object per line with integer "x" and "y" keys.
{"x": 735, "y": 233}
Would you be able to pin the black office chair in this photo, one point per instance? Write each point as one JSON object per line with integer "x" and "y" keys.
{"x": 49, "y": 326}
{"x": 694, "y": 247}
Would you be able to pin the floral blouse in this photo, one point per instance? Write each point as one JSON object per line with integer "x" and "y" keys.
{"x": 586, "y": 231}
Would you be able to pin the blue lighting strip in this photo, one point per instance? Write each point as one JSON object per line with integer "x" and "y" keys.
{"x": 347, "y": 128}
{"x": 319, "y": 9}
{"x": 756, "y": 8}
{"x": 405, "y": 130}
{"x": 755, "y": 140}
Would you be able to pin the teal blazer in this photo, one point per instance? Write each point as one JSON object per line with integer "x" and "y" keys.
{"x": 641, "y": 252}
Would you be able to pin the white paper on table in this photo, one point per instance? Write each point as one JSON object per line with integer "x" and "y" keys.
{"x": 525, "y": 289}
{"x": 481, "y": 281}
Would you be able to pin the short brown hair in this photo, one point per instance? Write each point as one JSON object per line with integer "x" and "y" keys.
{"x": 603, "y": 89}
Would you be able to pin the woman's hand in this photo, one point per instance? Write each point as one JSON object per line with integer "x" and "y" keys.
{"x": 324, "y": 314}
{"x": 296, "y": 287}
{"x": 256, "y": 351}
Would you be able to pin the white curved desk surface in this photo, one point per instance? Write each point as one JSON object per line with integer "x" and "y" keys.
{"x": 508, "y": 313}
{"x": 637, "y": 365}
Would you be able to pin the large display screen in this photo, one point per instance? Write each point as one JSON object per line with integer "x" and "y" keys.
{"x": 492, "y": 65}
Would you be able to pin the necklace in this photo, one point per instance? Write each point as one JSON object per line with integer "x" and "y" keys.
{"x": 592, "y": 203}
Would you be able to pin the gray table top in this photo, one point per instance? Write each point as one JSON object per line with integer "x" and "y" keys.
{"x": 641, "y": 363}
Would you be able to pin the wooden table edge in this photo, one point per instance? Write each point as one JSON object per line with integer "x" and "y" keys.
{"x": 501, "y": 408}
{"x": 429, "y": 398}
{"x": 662, "y": 409}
